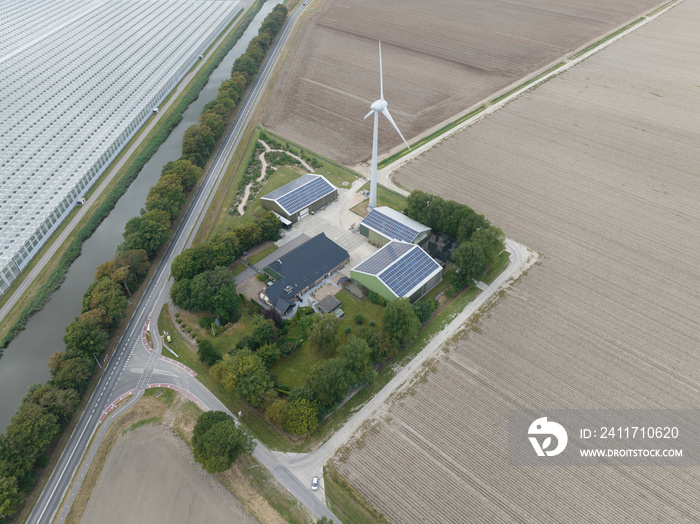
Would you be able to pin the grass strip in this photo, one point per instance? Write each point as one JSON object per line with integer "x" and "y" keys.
{"x": 525, "y": 84}
{"x": 257, "y": 257}
{"x": 158, "y": 136}
{"x": 346, "y": 502}
{"x": 605, "y": 39}
{"x": 444, "y": 129}
{"x": 662, "y": 8}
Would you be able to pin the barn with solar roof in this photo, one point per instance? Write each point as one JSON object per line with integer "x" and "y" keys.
{"x": 383, "y": 224}
{"x": 300, "y": 197}
{"x": 398, "y": 270}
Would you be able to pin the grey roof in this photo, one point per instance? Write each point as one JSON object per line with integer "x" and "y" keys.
{"x": 401, "y": 266}
{"x": 301, "y": 192}
{"x": 329, "y": 303}
{"x": 303, "y": 265}
{"x": 393, "y": 225}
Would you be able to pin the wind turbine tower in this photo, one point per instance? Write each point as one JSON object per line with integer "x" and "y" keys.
{"x": 379, "y": 106}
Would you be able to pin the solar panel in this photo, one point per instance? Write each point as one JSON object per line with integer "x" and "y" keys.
{"x": 402, "y": 276}
{"x": 383, "y": 258}
{"x": 287, "y": 188}
{"x": 305, "y": 195}
{"x": 389, "y": 227}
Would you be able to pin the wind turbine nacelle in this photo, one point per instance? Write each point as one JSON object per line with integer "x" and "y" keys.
{"x": 379, "y": 106}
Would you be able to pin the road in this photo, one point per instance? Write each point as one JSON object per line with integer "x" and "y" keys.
{"x": 108, "y": 387}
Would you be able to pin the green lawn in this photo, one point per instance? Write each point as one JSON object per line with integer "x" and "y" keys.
{"x": 292, "y": 370}
{"x": 387, "y": 197}
{"x": 259, "y": 255}
{"x": 335, "y": 174}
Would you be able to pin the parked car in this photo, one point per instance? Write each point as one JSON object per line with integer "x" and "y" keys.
{"x": 314, "y": 484}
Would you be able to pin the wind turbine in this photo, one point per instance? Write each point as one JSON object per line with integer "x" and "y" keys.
{"x": 379, "y": 106}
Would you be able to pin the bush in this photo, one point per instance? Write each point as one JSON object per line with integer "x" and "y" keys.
{"x": 205, "y": 322}
{"x": 287, "y": 346}
{"x": 372, "y": 323}
{"x": 347, "y": 330}
{"x": 376, "y": 298}
{"x": 359, "y": 319}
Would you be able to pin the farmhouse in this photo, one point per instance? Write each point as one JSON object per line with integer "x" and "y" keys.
{"x": 300, "y": 197}
{"x": 301, "y": 269}
{"x": 398, "y": 270}
{"x": 383, "y": 224}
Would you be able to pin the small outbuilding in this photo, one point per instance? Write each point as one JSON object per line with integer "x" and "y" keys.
{"x": 398, "y": 270}
{"x": 300, "y": 197}
{"x": 329, "y": 304}
{"x": 383, "y": 224}
{"x": 302, "y": 268}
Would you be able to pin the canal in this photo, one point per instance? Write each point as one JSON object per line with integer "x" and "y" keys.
{"x": 25, "y": 360}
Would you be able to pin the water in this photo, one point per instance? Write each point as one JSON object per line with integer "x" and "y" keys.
{"x": 25, "y": 360}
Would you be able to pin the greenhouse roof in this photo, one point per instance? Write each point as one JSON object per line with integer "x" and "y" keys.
{"x": 79, "y": 79}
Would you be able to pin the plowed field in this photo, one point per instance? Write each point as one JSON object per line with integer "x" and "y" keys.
{"x": 440, "y": 57}
{"x": 596, "y": 169}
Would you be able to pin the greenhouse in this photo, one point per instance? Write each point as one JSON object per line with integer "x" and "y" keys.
{"x": 79, "y": 79}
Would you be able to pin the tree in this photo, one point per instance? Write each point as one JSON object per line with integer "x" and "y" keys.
{"x": 263, "y": 332}
{"x": 400, "y": 322}
{"x": 30, "y": 432}
{"x": 269, "y": 354}
{"x": 218, "y": 442}
{"x": 470, "y": 260}
{"x": 107, "y": 296}
{"x": 74, "y": 373}
{"x": 244, "y": 374}
{"x": 324, "y": 332}
{"x": 85, "y": 337}
{"x": 208, "y": 354}
{"x": 140, "y": 233}
{"x": 187, "y": 172}
{"x": 166, "y": 195}
{"x": 423, "y": 311}
{"x": 60, "y": 402}
{"x": 9, "y": 496}
{"x": 274, "y": 315}
{"x": 197, "y": 144}
{"x": 492, "y": 241}
{"x": 329, "y": 381}
{"x": 301, "y": 392}
{"x": 277, "y": 412}
{"x": 215, "y": 291}
{"x": 302, "y": 417}
{"x": 358, "y": 360}
{"x": 158, "y": 215}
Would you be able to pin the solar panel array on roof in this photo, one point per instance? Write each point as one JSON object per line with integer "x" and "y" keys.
{"x": 79, "y": 79}
{"x": 389, "y": 227}
{"x": 305, "y": 195}
{"x": 409, "y": 271}
{"x": 400, "y": 266}
{"x": 383, "y": 258}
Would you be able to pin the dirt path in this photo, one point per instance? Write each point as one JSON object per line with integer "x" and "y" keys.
{"x": 263, "y": 171}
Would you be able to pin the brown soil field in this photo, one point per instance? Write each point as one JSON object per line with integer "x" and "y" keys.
{"x": 597, "y": 169}
{"x": 150, "y": 476}
{"x": 439, "y": 59}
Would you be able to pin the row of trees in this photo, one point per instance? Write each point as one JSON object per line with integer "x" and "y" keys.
{"x": 480, "y": 242}
{"x": 199, "y": 139}
{"x": 223, "y": 250}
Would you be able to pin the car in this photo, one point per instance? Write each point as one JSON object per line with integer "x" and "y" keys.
{"x": 314, "y": 484}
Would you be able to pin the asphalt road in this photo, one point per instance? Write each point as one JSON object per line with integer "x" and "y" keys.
{"x": 108, "y": 388}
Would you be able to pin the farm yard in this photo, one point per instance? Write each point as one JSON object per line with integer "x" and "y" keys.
{"x": 439, "y": 59}
{"x": 597, "y": 170}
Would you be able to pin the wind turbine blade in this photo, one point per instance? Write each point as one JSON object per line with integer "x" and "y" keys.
{"x": 381, "y": 80}
{"x": 368, "y": 115}
{"x": 386, "y": 113}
